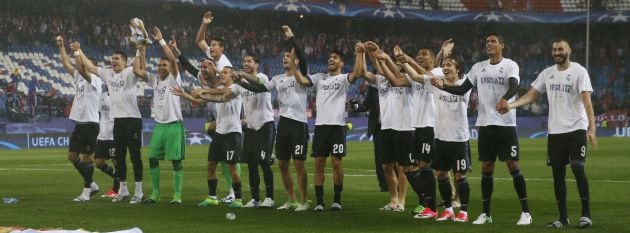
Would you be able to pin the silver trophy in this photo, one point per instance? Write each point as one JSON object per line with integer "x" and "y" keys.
{"x": 139, "y": 35}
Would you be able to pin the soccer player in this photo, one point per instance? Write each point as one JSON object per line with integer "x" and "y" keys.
{"x": 330, "y": 126}
{"x": 215, "y": 52}
{"x": 423, "y": 119}
{"x": 121, "y": 83}
{"x": 292, "y": 135}
{"x": 167, "y": 140}
{"x": 395, "y": 105}
{"x": 451, "y": 138}
{"x": 105, "y": 147}
{"x": 84, "y": 113}
{"x": 226, "y": 144}
{"x": 571, "y": 124}
{"x": 260, "y": 134}
{"x": 497, "y": 81}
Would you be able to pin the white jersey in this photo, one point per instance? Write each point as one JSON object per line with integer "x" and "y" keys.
{"x": 331, "y": 98}
{"x": 123, "y": 92}
{"x": 492, "y": 83}
{"x": 451, "y": 119}
{"x": 395, "y": 105}
{"x": 106, "y": 124}
{"x": 86, "y": 98}
{"x": 423, "y": 111}
{"x": 257, "y": 106}
{"x": 291, "y": 96}
{"x": 564, "y": 93}
{"x": 166, "y": 107}
{"x": 229, "y": 113}
{"x": 222, "y": 62}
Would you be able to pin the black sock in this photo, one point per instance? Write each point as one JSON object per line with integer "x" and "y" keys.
{"x": 582, "y": 185}
{"x": 521, "y": 189}
{"x": 463, "y": 190}
{"x": 428, "y": 182}
{"x": 78, "y": 165}
{"x": 212, "y": 187}
{"x": 237, "y": 189}
{"x": 116, "y": 184}
{"x": 414, "y": 181}
{"x": 254, "y": 181}
{"x": 560, "y": 190}
{"x": 88, "y": 171}
{"x": 109, "y": 170}
{"x": 487, "y": 186}
{"x": 337, "y": 188}
{"x": 136, "y": 161}
{"x": 445, "y": 192}
{"x": 268, "y": 178}
{"x": 319, "y": 194}
{"x": 121, "y": 168}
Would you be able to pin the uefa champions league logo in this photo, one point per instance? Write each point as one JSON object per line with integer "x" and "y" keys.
{"x": 292, "y": 6}
{"x": 387, "y": 12}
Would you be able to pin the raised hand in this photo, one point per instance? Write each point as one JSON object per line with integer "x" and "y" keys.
{"x": 447, "y": 47}
{"x": 287, "y": 31}
{"x": 75, "y": 46}
{"x": 207, "y": 17}
{"x": 371, "y": 46}
{"x": 502, "y": 106}
{"x": 157, "y": 34}
{"x": 359, "y": 47}
{"x": 59, "y": 41}
{"x": 399, "y": 54}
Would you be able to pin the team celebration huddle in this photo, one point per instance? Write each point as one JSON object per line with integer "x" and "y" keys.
{"x": 421, "y": 132}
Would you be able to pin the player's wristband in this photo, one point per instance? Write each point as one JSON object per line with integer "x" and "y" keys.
{"x": 162, "y": 42}
{"x": 77, "y": 53}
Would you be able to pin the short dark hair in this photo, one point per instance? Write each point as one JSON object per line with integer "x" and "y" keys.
{"x": 219, "y": 40}
{"x": 499, "y": 37}
{"x": 254, "y": 57}
{"x": 431, "y": 53}
{"x": 562, "y": 39}
{"x": 339, "y": 53}
{"x": 122, "y": 54}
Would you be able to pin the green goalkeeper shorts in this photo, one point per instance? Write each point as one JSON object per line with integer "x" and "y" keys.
{"x": 168, "y": 141}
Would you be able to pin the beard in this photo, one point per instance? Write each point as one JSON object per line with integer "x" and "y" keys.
{"x": 560, "y": 58}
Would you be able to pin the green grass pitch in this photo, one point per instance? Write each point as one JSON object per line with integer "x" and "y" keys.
{"x": 46, "y": 183}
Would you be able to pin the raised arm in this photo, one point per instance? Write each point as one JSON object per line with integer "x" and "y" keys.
{"x": 256, "y": 87}
{"x": 393, "y": 76}
{"x": 357, "y": 72}
{"x": 178, "y": 91}
{"x": 445, "y": 51}
{"x": 157, "y": 35}
{"x": 65, "y": 59}
{"x": 588, "y": 106}
{"x": 201, "y": 34}
{"x": 88, "y": 66}
{"x": 300, "y": 77}
{"x": 296, "y": 49}
{"x": 458, "y": 89}
{"x": 140, "y": 63}
{"x": 76, "y": 48}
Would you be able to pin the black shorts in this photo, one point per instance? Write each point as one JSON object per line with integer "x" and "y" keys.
{"x": 452, "y": 155}
{"x": 292, "y": 139}
{"x": 127, "y": 134}
{"x": 424, "y": 144}
{"x": 258, "y": 144}
{"x": 566, "y": 147}
{"x": 83, "y": 138}
{"x": 500, "y": 141}
{"x": 225, "y": 147}
{"x": 398, "y": 147}
{"x": 329, "y": 139}
{"x": 105, "y": 149}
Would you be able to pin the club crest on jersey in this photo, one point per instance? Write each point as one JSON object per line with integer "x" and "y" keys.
{"x": 501, "y": 70}
{"x": 568, "y": 78}
{"x": 551, "y": 77}
{"x": 483, "y": 70}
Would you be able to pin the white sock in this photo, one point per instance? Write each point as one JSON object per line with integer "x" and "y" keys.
{"x": 94, "y": 186}
{"x": 123, "y": 188}
{"x": 449, "y": 209}
{"x": 86, "y": 192}
{"x": 138, "y": 190}
{"x": 231, "y": 192}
